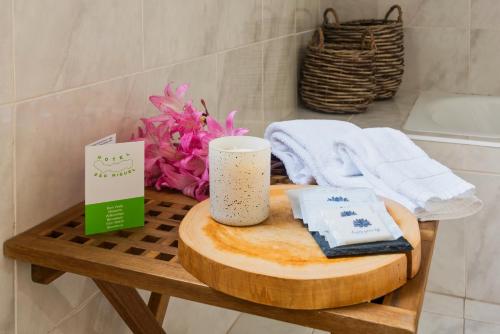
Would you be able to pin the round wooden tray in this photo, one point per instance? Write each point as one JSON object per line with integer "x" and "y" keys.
{"x": 278, "y": 262}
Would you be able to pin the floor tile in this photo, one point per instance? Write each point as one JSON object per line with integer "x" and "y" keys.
{"x": 477, "y": 327}
{"x": 480, "y": 311}
{"x": 431, "y": 323}
{"x": 444, "y": 305}
{"x": 187, "y": 317}
{"x": 251, "y": 324}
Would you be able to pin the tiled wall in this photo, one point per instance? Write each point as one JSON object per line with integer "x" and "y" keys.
{"x": 465, "y": 266}
{"x": 74, "y": 71}
{"x": 451, "y": 45}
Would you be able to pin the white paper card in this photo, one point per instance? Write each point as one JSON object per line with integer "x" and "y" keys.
{"x": 114, "y": 185}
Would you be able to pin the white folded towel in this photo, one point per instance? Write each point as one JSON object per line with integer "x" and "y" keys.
{"x": 338, "y": 153}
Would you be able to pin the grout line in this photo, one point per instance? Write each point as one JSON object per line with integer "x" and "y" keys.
{"x": 218, "y": 113}
{"x": 482, "y": 301}
{"x": 478, "y": 172}
{"x": 13, "y": 51}
{"x": 129, "y": 75}
{"x": 14, "y": 163}
{"x": 468, "y": 35}
{"x": 463, "y": 314}
{"x": 234, "y": 323}
{"x": 262, "y": 81}
{"x": 74, "y": 311}
{"x": 442, "y": 314}
{"x": 467, "y": 89}
{"x": 16, "y": 295}
{"x": 295, "y": 17}
{"x": 142, "y": 35}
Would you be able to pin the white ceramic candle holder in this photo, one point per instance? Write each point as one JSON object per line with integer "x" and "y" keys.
{"x": 240, "y": 168}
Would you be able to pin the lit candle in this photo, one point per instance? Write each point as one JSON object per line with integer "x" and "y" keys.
{"x": 240, "y": 169}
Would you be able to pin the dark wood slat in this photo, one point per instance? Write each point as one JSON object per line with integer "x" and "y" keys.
{"x": 130, "y": 306}
{"x": 44, "y": 275}
{"x": 158, "y": 304}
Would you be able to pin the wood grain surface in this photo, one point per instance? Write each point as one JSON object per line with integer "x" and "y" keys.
{"x": 278, "y": 263}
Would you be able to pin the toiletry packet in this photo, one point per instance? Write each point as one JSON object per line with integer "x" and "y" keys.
{"x": 353, "y": 225}
{"x": 311, "y": 201}
{"x": 294, "y": 197}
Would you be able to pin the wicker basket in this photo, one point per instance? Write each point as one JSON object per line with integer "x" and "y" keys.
{"x": 389, "y": 58}
{"x": 338, "y": 78}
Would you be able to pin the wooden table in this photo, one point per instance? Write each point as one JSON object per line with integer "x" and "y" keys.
{"x": 146, "y": 258}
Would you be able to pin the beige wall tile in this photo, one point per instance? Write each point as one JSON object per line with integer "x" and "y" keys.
{"x": 463, "y": 157}
{"x": 6, "y": 218}
{"x": 481, "y": 241}
{"x": 307, "y": 15}
{"x": 239, "y": 23}
{"x": 6, "y": 63}
{"x": 278, "y": 18}
{"x": 436, "y": 59}
{"x": 98, "y": 316}
{"x": 187, "y": 317}
{"x": 447, "y": 274}
{"x": 41, "y": 307}
{"x": 200, "y": 74}
{"x": 485, "y": 47}
{"x": 392, "y": 113}
{"x": 348, "y": 10}
{"x": 239, "y": 83}
{"x": 256, "y": 128}
{"x": 301, "y": 42}
{"x": 66, "y": 44}
{"x": 485, "y": 14}
{"x": 179, "y": 30}
{"x": 280, "y": 78}
{"x": 429, "y": 13}
{"x": 50, "y": 139}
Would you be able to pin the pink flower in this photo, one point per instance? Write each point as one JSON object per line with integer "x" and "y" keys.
{"x": 170, "y": 101}
{"x": 176, "y": 143}
{"x": 215, "y": 128}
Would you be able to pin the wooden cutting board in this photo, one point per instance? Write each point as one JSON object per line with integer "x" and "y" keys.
{"x": 278, "y": 262}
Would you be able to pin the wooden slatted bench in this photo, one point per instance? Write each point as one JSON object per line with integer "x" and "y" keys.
{"x": 146, "y": 258}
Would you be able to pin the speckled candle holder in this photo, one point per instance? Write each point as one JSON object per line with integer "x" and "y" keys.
{"x": 240, "y": 168}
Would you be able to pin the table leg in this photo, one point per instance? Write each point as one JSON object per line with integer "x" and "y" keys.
{"x": 44, "y": 275}
{"x": 130, "y": 306}
{"x": 158, "y": 304}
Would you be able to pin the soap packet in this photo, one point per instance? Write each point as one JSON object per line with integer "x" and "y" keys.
{"x": 358, "y": 224}
{"x": 312, "y": 200}
{"x": 315, "y": 203}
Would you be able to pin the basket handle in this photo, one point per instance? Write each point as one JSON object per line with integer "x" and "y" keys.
{"x": 400, "y": 13}
{"x": 326, "y": 20}
{"x": 319, "y": 38}
{"x": 373, "y": 45}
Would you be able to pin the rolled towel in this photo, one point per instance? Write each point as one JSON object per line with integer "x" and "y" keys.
{"x": 337, "y": 153}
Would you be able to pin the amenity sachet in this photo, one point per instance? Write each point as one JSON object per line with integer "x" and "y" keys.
{"x": 344, "y": 216}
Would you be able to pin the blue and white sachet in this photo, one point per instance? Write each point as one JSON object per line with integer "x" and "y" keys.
{"x": 344, "y": 216}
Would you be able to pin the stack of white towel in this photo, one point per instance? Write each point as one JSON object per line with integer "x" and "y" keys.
{"x": 337, "y": 153}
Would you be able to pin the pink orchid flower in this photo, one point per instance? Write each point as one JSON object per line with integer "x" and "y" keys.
{"x": 176, "y": 143}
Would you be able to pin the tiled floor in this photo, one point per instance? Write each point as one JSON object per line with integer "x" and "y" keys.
{"x": 441, "y": 314}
